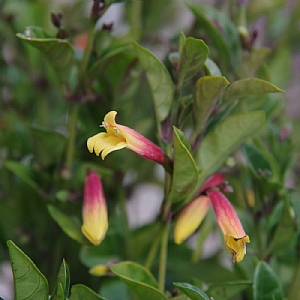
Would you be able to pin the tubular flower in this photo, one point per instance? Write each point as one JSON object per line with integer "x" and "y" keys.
{"x": 94, "y": 210}
{"x": 234, "y": 234}
{"x": 190, "y": 218}
{"x": 118, "y": 137}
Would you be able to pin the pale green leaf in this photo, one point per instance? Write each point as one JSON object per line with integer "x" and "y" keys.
{"x": 192, "y": 291}
{"x": 82, "y": 292}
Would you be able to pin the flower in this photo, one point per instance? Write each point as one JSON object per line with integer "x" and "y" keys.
{"x": 234, "y": 234}
{"x": 118, "y": 137}
{"x": 192, "y": 215}
{"x": 94, "y": 210}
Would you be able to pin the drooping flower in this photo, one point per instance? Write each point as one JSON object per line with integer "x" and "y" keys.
{"x": 190, "y": 218}
{"x": 94, "y": 210}
{"x": 192, "y": 215}
{"x": 118, "y": 137}
{"x": 234, "y": 234}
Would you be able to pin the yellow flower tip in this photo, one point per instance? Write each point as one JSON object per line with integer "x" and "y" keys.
{"x": 93, "y": 234}
{"x": 237, "y": 247}
{"x": 190, "y": 218}
{"x": 99, "y": 270}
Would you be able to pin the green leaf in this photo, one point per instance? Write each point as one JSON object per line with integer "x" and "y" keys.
{"x": 24, "y": 172}
{"x": 265, "y": 284}
{"x": 263, "y": 7}
{"x": 285, "y": 233}
{"x": 29, "y": 282}
{"x": 193, "y": 54}
{"x": 69, "y": 225}
{"x": 224, "y": 139}
{"x": 139, "y": 280}
{"x": 82, "y": 292}
{"x": 193, "y": 292}
{"x": 249, "y": 87}
{"x": 185, "y": 175}
{"x": 227, "y": 290}
{"x": 59, "y": 52}
{"x": 257, "y": 161}
{"x": 220, "y": 29}
{"x": 62, "y": 284}
{"x": 211, "y": 68}
{"x": 208, "y": 92}
{"x": 159, "y": 80}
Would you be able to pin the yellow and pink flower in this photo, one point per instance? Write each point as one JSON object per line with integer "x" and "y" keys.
{"x": 119, "y": 136}
{"x": 94, "y": 210}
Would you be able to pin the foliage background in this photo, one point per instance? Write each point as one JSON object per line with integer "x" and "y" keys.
{"x": 38, "y": 168}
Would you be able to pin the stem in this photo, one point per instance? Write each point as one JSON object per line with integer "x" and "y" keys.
{"x": 163, "y": 257}
{"x": 135, "y": 19}
{"x": 152, "y": 253}
{"x": 72, "y": 136}
{"x": 294, "y": 291}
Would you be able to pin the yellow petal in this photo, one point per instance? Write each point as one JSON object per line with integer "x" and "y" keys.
{"x": 237, "y": 247}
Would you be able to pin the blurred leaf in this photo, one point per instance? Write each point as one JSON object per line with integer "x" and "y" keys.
{"x": 69, "y": 225}
{"x": 193, "y": 292}
{"x": 24, "y": 172}
{"x": 225, "y": 138}
{"x": 285, "y": 233}
{"x": 59, "y": 52}
{"x": 193, "y": 54}
{"x": 185, "y": 174}
{"x": 254, "y": 10}
{"x": 113, "y": 288}
{"x": 159, "y": 81}
{"x": 208, "y": 92}
{"x": 29, "y": 282}
{"x": 211, "y": 68}
{"x": 62, "y": 284}
{"x": 252, "y": 61}
{"x": 257, "y": 162}
{"x": 249, "y": 87}
{"x": 139, "y": 280}
{"x": 227, "y": 290}
{"x": 220, "y": 29}
{"x": 82, "y": 292}
{"x": 265, "y": 284}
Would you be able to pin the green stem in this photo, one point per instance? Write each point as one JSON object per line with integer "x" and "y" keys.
{"x": 163, "y": 257}
{"x": 294, "y": 291}
{"x": 152, "y": 253}
{"x": 72, "y": 135}
{"x": 135, "y": 19}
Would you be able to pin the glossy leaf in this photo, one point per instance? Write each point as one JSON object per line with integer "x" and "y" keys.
{"x": 192, "y": 291}
{"x": 227, "y": 290}
{"x": 249, "y": 87}
{"x": 221, "y": 31}
{"x": 59, "y": 52}
{"x": 69, "y": 225}
{"x": 139, "y": 280}
{"x": 29, "y": 282}
{"x": 185, "y": 174}
{"x": 193, "y": 54}
{"x": 62, "y": 284}
{"x": 266, "y": 284}
{"x": 80, "y": 292}
{"x": 159, "y": 81}
{"x": 224, "y": 139}
{"x": 208, "y": 92}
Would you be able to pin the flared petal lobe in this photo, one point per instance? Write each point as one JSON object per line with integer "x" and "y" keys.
{"x": 94, "y": 210}
{"x": 119, "y": 136}
{"x": 190, "y": 218}
{"x": 234, "y": 234}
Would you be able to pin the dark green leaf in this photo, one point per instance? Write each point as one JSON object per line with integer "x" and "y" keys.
{"x": 139, "y": 280}
{"x": 208, "y": 92}
{"x": 159, "y": 81}
{"x": 29, "y": 282}
{"x": 82, "y": 292}
{"x": 59, "y": 52}
{"x": 62, "y": 284}
{"x": 193, "y": 54}
{"x": 185, "y": 175}
{"x": 193, "y": 292}
{"x": 249, "y": 87}
{"x": 24, "y": 172}
{"x": 220, "y": 29}
{"x": 227, "y": 290}
{"x": 69, "y": 225}
{"x": 224, "y": 139}
{"x": 266, "y": 284}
